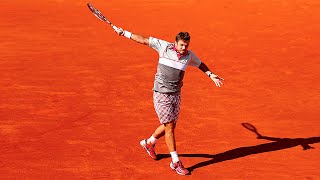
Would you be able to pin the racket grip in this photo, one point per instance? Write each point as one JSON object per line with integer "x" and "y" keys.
{"x": 119, "y": 31}
{"x": 114, "y": 27}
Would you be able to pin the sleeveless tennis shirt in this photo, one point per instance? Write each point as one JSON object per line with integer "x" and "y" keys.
{"x": 171, "y": 68}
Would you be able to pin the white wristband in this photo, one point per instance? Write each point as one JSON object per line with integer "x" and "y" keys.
{"x": 127, "y": 34}
{"x": 210, "y": 74}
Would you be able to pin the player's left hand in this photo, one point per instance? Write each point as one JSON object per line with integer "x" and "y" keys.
{"x": 217, "y": 79}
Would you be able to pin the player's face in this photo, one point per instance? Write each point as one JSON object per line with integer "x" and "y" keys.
{"x": 182, "y": 46}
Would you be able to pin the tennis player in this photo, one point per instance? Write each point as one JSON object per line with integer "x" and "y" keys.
{"x": 173, "y": 61}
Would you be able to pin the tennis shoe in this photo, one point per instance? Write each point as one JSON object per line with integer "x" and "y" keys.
{"x": 178, "y": 167}
{"x": 149, "y": 148}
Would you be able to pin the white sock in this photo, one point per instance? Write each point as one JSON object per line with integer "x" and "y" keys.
{"x": 151, "y": 140}
{"x": 174, "y": 156}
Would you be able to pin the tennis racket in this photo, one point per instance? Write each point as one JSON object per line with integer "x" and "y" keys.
{"x": 99, "y": 15}
{"x": 251, "y": 128}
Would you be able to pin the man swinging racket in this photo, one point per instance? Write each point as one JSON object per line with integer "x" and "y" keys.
{"x": 173, "y": 61}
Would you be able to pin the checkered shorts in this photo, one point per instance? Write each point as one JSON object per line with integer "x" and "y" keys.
{"x": 167, "y": 106}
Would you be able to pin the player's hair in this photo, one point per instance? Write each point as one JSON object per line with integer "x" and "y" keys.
{"x": 183, "y": 36}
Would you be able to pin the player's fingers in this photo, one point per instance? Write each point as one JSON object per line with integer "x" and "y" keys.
{"x": 220, "y": 78}
{"x": 221, "y": 83}
{"x": 217, "y": 83}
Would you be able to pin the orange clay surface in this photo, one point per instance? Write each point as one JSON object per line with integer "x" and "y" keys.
{"x": 76, "y": 99}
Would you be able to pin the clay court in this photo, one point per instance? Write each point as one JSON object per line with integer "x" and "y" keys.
{"x": 76, "y": 99}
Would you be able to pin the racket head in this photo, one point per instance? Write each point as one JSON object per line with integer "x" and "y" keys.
{"x": 249, "y": 127}
{"x": 97, "y": 13}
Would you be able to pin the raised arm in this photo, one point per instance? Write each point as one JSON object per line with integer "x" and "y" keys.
{"x": 135, "y": 37}
{"x": 215, "y": 78}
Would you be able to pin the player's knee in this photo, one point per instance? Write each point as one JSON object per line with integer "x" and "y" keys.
{"x": 169, "y": 127}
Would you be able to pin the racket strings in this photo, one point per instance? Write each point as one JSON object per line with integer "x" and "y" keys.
{"x": 98, "y": 14}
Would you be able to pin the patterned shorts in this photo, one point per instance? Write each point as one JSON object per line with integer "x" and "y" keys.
{"x": 167, "y": 106}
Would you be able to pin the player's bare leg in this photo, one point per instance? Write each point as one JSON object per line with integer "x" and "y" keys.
{"x": 169, "y": 136}
{"x": 159, "y": 132}
{"x": 149, "y": 144}
{"x": 175, "y": 164}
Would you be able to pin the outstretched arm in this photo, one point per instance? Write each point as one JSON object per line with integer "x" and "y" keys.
{"x": 135, "y": 37}
{"x": 215, "y": 78}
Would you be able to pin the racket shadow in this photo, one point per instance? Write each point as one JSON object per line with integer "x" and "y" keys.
{"x": 277, "y": 144}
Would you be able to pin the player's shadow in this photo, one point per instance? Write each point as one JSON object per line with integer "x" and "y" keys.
{"x": 278, "y": 144}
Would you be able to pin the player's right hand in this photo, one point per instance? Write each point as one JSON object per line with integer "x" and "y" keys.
{"x": 217, "y": 79}
{"x": 118, "y": 30}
